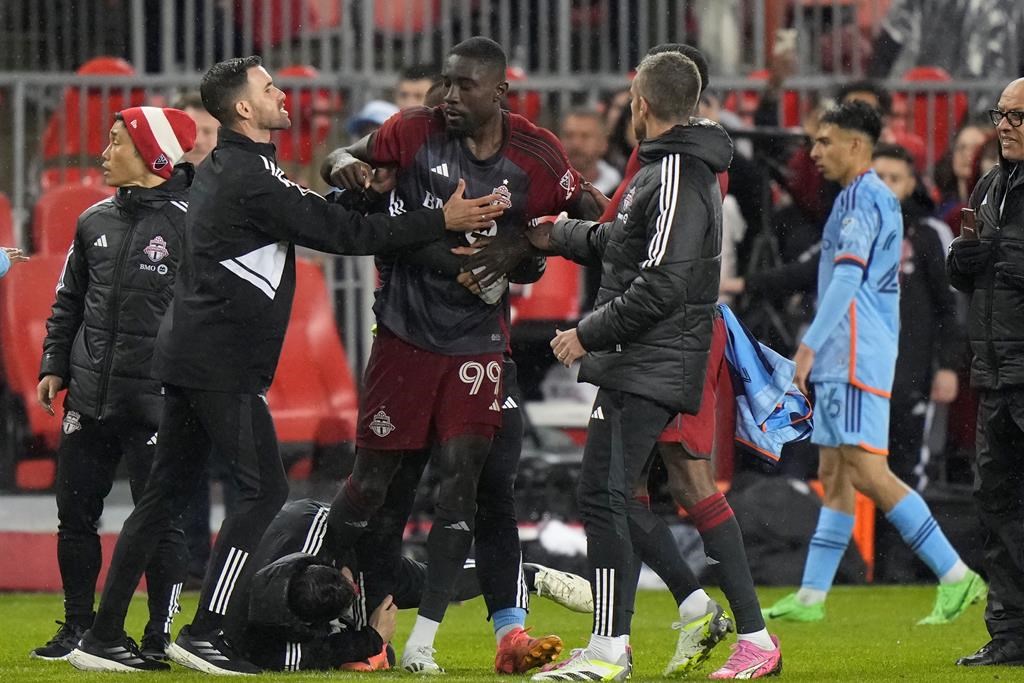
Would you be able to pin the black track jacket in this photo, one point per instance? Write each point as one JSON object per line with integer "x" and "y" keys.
{"x": 233, "y": 295}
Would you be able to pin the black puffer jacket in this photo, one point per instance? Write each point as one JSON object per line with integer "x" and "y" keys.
{"x": 995, "y": 319}
{"x": 112, "y": 294}
{"x": 650, "y": 330}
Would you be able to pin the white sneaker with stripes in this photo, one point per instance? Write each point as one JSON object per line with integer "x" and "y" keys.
{"x": 420, "y": 661}
{"x": 568, "y": 590}
{"x": 580, "y": 666}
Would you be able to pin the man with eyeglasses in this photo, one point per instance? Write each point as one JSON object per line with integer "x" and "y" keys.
{"x": 987, "y": 263}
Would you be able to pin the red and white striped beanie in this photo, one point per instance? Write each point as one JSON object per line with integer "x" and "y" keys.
{"x": 162, "y": 136}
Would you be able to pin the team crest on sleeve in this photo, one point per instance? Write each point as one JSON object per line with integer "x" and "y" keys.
{"x": 72, "y": 422}
{"x": 567, "y": 184}
{"x": 381, "y": 424}
{"x": 627, "y": 201}
{"x": 157, "y": 249}
{"x": 504, "y": 195}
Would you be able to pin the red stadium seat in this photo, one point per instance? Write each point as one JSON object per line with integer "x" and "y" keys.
{"x": 56, "y": 214}
{"x": 936, "y": 122}
{"x": 400, "y": 16}
{"x": 311, "y": 112}
{"x": 286, "y": 18}
{"x": 6, "y": 223}
{"x": 745, "y": 102}
{"x": 555, "y": 297}
{"x": 76, "y": 134}
{"x": 313, "y": 398}
{"x": 526, "y": 103}
{"x": 26, "y": 296}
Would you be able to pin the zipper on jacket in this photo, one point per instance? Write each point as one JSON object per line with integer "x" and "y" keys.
{"x": 989, "y": 344}
{"x": 115, "y": 292}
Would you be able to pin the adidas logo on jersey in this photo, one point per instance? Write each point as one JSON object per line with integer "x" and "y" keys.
{"x": 101, "y": 241}
{"x": 495, "y": 406}
{"x": 598, "y": 414}
{"x": 441, "y": 170}
{"x": 509, "y": 404}
{"x": 457, "y": 526}
{"x": 152, "y": 440}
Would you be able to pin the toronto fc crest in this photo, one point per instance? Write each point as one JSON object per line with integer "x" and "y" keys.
{"x": 157, "y": 249}
{"x": 381, "y": 424}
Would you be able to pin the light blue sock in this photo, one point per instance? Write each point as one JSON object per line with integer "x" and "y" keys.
{"x": 827, "y": 547}
{"x": 921, "y": 532}
{"x": 505, "y": 620}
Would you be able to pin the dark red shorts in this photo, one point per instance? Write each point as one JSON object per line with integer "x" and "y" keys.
{"x": 715, "y": 424}
{"x": 413, "y": 398}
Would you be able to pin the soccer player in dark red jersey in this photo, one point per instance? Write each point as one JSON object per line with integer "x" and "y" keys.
{"x": 435, "y": 371}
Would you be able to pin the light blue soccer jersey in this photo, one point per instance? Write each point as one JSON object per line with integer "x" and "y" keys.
{"x": 864, "y": 229}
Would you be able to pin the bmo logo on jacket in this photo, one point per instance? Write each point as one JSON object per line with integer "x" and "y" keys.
{"x": 156, "y": 250}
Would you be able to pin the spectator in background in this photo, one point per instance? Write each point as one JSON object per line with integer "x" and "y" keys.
{"x": 586, "y": 142}
{"x": 413, "y": 84}
{"x": 930, "y": 335}
{"x": 967, "y": 38}
{"x": 988, "y": 266}
{"x": 191, "y": 103}
{"x": 371, "y": 117}
{"x": 8, "y": 257}
{"x": 954, "y": 173}
{"x": 894, "y": 128}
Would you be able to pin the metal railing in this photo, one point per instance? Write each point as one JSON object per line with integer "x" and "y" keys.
{"x": 375, "y": 37}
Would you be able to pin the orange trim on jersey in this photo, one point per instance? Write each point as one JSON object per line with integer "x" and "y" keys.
{"x": 850, "y": 257}
{"x": 872, "y": 449}
{"x": 853, "y": 357}
{"x": 762, "y": 451}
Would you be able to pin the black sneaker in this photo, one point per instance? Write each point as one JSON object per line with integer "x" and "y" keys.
{"x": 154, "y": 646}
{"x": 210, "y": 653}
{"x": 121, "y": 654}
{"x": 61, "y": 645}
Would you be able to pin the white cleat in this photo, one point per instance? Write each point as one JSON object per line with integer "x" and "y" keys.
{"x": 420, "y": 661}
{"x": 568, "y": 590}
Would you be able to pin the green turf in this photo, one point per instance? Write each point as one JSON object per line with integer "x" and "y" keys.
{"x": 869, "y": 635}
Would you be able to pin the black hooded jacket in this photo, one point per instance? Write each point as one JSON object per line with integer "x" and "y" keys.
{"x": 116, "y": 285}
{"x": 995, "y": 317}
{"x": 233, "y": 297}
{"x": 650, "y": 331}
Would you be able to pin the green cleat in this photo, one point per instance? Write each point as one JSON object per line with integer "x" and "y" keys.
{"x": 697, "y": 639}
{"x": 791, "y": 609}
{"x": 953, "y": 599}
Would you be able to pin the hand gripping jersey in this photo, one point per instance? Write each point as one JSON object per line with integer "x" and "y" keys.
{"x": 532, "y": 175}
{"x": 865, "y": 229}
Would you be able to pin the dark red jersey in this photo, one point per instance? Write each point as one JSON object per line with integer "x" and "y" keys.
{"x": 531, "y": 174}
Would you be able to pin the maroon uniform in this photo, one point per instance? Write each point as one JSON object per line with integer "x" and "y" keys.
{"x": 419, "y": 308}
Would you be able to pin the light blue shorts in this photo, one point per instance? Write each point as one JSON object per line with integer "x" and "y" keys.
{"x": 847, "y": 416}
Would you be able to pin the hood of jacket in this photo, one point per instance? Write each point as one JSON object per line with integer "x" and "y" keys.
{"x": 133, "y": 199}
{"x": 701, "y": 138}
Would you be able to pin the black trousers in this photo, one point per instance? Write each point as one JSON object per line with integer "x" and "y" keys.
{"x": 621, "y": 435}
{"x": 496, "y": 535}
{"x": 240, "y": 429}
{"x": 906, "y": 437}
{"x": 87, "y": 460}
{"x": 999, "y": 492}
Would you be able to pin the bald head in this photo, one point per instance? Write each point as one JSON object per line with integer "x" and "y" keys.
{"x": 1011, "y": 138}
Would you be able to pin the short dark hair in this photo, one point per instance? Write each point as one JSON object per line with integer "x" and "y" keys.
{"x": 319, "y": 593}
{"x": 483, "y": 50}
{"x": 670, "y": 83}
{"x": 189, "y": 98}
{"x": 418, "y": 72}
{"x": 695, "y": 55}
{"x": 858, "y": 116}
{"x": 221, "y": 84}
{"x": 888, "y": 150}
{"x": 880, "y": 93}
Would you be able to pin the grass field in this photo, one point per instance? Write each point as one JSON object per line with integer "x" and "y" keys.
{"x": 869, "y": 636}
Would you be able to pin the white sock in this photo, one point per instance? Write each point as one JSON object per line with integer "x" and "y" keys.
{"x": 811, "y": 596}
{"x": 694, "y": 606}
{"x": 423, "y": 633}
{"x": 957, "y": 573}
{"x": 606, "y": 648}
{"x": 759, "y": 638}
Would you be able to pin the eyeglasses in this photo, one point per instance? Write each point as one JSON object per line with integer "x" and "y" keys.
{"x": 1016, "y": 118}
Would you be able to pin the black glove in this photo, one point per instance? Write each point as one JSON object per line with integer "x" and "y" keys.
{"x": 1010, "y": 274}
{"x": 970, "y": 257}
